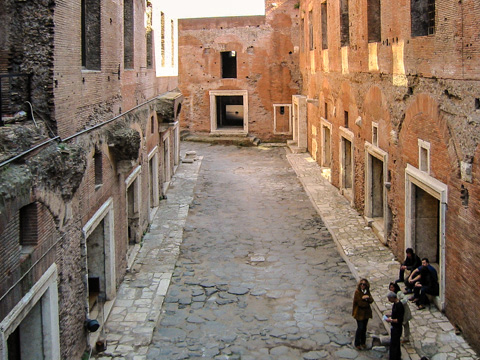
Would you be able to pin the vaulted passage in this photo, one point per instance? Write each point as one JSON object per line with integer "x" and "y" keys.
{"x": 229, "y": 111}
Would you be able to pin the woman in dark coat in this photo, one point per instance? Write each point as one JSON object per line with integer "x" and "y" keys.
{"x": 362, "y": 312}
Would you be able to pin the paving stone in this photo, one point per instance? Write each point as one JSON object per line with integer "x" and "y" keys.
{"x": 201, "y": 261}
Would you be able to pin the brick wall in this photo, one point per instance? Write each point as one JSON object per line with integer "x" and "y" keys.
{"x": 267, "y": 65}
{"x": 73, "y": 100}
{"x": 420, "y": 87}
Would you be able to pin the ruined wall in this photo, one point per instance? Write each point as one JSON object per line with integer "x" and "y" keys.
{"x": 267, "y": 65}
{"x": 416, "y": 88}
{"x": 90, "y": 96}
{"x": 26, "y": 47}
{"x": 95, "y": 107}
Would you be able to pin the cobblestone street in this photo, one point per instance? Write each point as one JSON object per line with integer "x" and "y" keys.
{"x": 258, "y": 276}
{"x": 238, "y": 264}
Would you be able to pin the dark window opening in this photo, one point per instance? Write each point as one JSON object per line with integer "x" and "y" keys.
{"x": 282, "y": 110}
{"x": 324, "y": 26}
{"x": 149, "y": 35}
{"x": 326, "y": 111}
{"x": 344, "y": 23}
{"x": 229, "y": 111}
{"x": 13, "y": 345}
{"x": 374, "y": 21}
{"x": 346, "y": 118}
{"x": 477, "y": 104}
{"x": 29, "y": 225}
{"x": 128, "y": 32}
{"x": 229, "y": 64}
{"x": 302, "y": 42}
{"x": 422, "y": 17}
{"x": 310, "y": 31}
{"x": 152, "y": 125}
{"x": 97, "y": 159}
{"x": 90, "y": 17}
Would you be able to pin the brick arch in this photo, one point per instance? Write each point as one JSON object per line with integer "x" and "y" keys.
{"x": 424, "y": 121}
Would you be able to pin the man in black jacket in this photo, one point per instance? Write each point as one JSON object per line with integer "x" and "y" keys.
{"x": 412, "y": 262}
{"x": 396, "y": 321}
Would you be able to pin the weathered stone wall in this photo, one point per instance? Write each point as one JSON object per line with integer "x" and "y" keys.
{"x": 424, "y": 87}
{"x": 81, "y": 106}
{"x": 26, "y": 47}
{"x": 267, "y": 65}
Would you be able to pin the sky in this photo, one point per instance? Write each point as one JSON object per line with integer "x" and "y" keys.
{"x": 215, "y": 8}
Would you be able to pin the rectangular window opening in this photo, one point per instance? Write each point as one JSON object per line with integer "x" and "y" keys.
{"x": 345, "y": 114}
{"x": 324, "y": 27}
{"x": 152, "y": 124}
{"x": 310, "y": 30}
{"x": 302, "y": 42}
{"x": 374, "y": 21}
{"x": 29, "y": 225}
{"x": 97, "y": 159}
{"x": 422, "y": 17}
{"x": 90, "y": 18}
{"x": 326, "y": 111}
{"x": 149, "y": 35}
{"x": 344, "y": 23}
{"x": 229, "y": 64}
{"x": 128, "y": 34}
{"x": 375, "y": 135}
{"x": 424, "y": 159}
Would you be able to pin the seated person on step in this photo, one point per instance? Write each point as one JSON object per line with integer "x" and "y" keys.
{"x": 426, "y": 282}
{"x": 412, "y": 261}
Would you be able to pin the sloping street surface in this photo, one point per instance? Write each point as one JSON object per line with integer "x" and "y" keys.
{"x": 258, "y": 276}
{"x": 238, "y": 264}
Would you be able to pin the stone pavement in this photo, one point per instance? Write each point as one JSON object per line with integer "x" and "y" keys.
{"x": 259, "y": 275}
{"x": 135, "y": 313}
{"x": 432, "y": 333}
{"x": 143, "y": 296}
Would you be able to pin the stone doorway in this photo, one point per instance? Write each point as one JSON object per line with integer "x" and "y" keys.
{"x": 99, "y": 250}
{"x": 346, "y": 165}
{"x": 326, "y": 147}
{"x": 166, "y": 163}
{"x": 375, "y": 193}
{"x": 282, "y": 118}
{"x": 33, "y": 323}
{"x": 153, "y": 183}
{"x": 133, "y": 208}
{"x": 425, "y": 208}
{"x": 229, "y": 111}
{"x": 426, "y": 223}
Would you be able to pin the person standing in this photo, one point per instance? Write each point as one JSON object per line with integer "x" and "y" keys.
{"x": 407, "y": 313}
{"x": 362, "y": 312}
{"x": 396, "y": 321}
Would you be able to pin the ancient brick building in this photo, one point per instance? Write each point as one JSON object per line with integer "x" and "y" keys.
{"x": 238, "y": 74}
{"x": 89, "y": 140}
{"x": 391, "y": 91}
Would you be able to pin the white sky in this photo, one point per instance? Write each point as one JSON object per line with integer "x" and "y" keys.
{"x": 216, "y": 8}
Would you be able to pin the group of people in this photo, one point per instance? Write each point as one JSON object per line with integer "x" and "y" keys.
{"x": 422, "y": 280}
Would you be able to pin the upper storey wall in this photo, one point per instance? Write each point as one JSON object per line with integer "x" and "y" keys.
{"x": 450, "y": 49}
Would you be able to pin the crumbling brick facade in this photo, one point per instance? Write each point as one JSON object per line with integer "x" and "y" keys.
{"x": 105, "y": 108}
{"x": 264, "y": 51}
{"x": 395, "y": 118}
